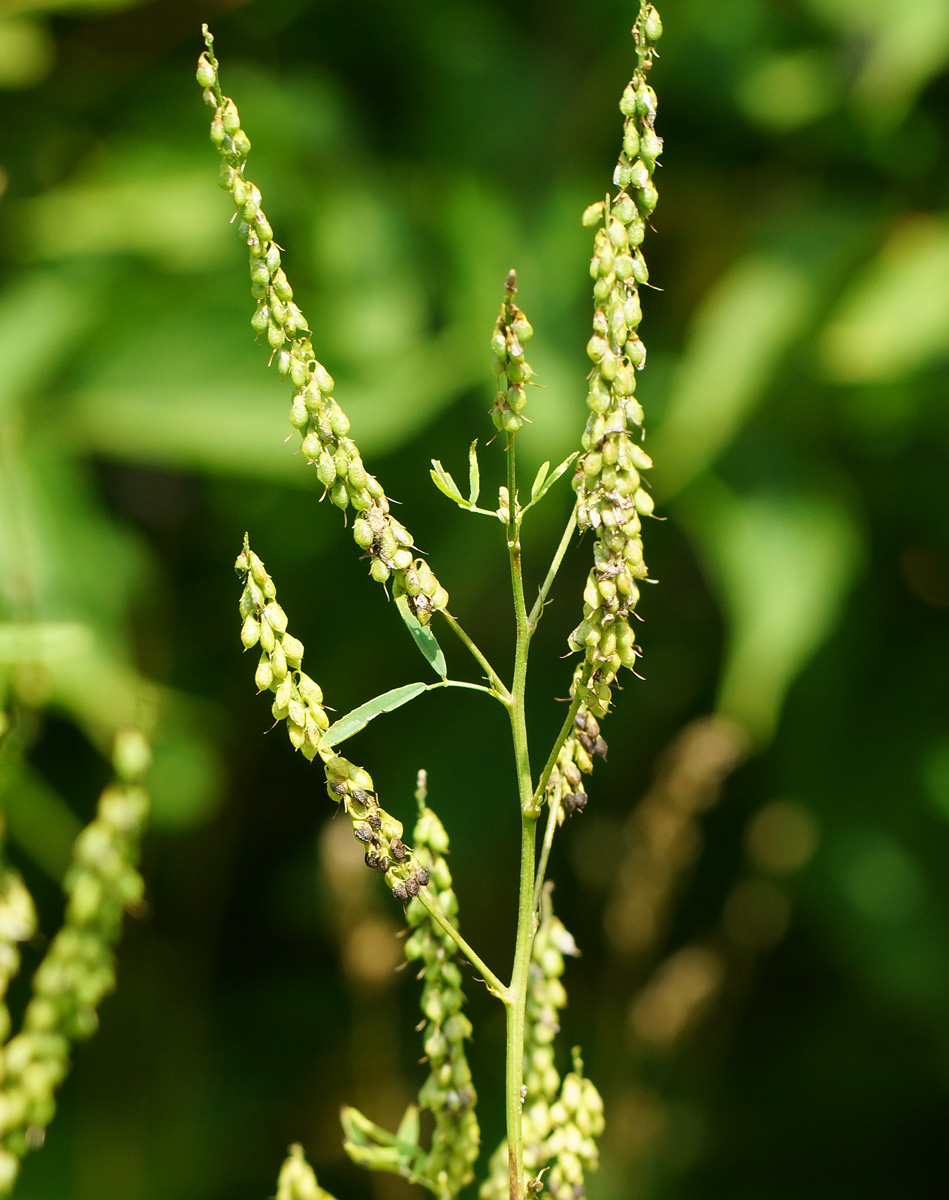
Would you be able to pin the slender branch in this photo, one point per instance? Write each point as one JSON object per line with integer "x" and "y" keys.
{"x": 553, "y": 815}
{"x": 562, "y": 736}
{"x": 471, "y": 687}
{"x": 496, "y": 682}
{"x": 538, "y": 610}
{"x": 495, "y": 986}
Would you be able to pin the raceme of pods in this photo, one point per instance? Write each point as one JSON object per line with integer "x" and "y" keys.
{"x": 511, "y": 330}
{"x": 298, "y": 700}
{"x": 552, "y": 1123}
{"x": 314, "y": 413}
{"x": 564, "y": 789}
{"x": 610, "y": 493}
{"x": 448, "y": 1092}
{"x": 78, "y": 970}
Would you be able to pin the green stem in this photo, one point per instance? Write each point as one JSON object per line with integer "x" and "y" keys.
{"x": 525, "y": 917}
{"x": 553, "y": 814}
{"x": 538, "y": 610}
{"x": 565, "y": 728}
{"x": 495, "y": 986}
{"x": 496, "y": 682}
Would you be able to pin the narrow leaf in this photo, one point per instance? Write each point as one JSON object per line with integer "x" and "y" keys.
{"x": 444, "y": 482}
{"x": 360, "y": 717}
{"x": 552, "y": 478}
{"x": 474, "y": 474}
{"x": 539, "y": 480}
{"x": 423, "y": 638}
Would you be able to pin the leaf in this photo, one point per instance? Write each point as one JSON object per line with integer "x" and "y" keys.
{"x": 543, "y": 483}
{"x": 782, "y": 563}
{"x": 360, "y": 717}
{"x": 741, "y": 333}
{"x": 445, "y": 484}
{"x": 423, "y": 638}
{"x": 539, "y": 480}
{"x": 474, "y": 474}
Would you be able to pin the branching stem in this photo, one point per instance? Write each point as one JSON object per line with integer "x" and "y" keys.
{"x": 495, "y": 986}
{"x": 495, "y": 679}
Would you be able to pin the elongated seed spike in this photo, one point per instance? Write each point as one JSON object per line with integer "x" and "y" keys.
{"x": 448, "y": 1092}
{"x": 611, "y": 499}
{"x": 511, "y": 330}
{"x": 77, "y": 971}
{"x": 298, "y": 702}
{"x": 315, "y": 415}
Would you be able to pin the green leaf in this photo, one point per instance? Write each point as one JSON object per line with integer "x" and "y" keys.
{"x": 474, "y": 474}
{"x": 423, "y": 638}
{"x": 445, "y": 484}
{"x": 360, "y": 717}
{"x": 539, "y": 480}
{"x": 544, "y": 482}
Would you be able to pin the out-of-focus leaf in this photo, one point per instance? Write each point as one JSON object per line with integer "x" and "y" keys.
{"x": 169, "y": 214}
{"x": 739, "y": 336}
{"x": 789, "y": 91}
{"x": 26, "y": 52}
{"x": 782, "y": 565}
{"x": 28, "y": 642}
{"x": 903, "y": 49}
{"x": 186, "y": 778}
{"x": 38, "y": 818}
{"x": 895, "y": 318}
{"x": 40, "y": 316}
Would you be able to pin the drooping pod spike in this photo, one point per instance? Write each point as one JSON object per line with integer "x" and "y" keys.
{"x": 611, "y": 494}
{"x": 314, "y": 414}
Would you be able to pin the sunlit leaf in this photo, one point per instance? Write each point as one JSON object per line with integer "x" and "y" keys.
{"x": 474, "y": 473}
{"x": 423, "y": 638}
{"x": 741, "y": 332}
{"x": 782, "y": 564}
{"x": 360, "y": 717}
{"x": 895, "y": 318}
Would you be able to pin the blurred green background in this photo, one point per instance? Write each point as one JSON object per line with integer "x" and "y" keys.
{"x": 765, "y": 1002}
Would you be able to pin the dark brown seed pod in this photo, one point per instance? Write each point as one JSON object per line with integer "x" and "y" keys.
{"x": 400, "y": 893}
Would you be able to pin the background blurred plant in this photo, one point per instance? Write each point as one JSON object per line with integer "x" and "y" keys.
{"x": 795, "y": 387}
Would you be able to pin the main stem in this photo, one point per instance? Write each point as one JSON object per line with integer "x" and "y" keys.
{"x": 517, "y": 993}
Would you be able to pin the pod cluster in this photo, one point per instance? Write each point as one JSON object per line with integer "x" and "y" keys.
{"x": 543, "y": 1092}
{"x": 448, "y": 1092}
{"x": 297, "y": 1180}
{"x": 77, "y": 970}
{"x": 610, "y": 495}
{"x": 576, "y": 1122}
{"x": 565, "y": 785}
{"x": 298, "y": 699}
{"x": 377, "y": 831}
{"x": 512, "y": 329}
{"x": 314, "y": 413}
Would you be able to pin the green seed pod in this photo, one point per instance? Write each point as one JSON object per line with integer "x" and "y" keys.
{"x": 263, "y": 676}
{"x": 326, "y": 468}
{"x": 250, "y": 632}
{"x": 378, "y": 570}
